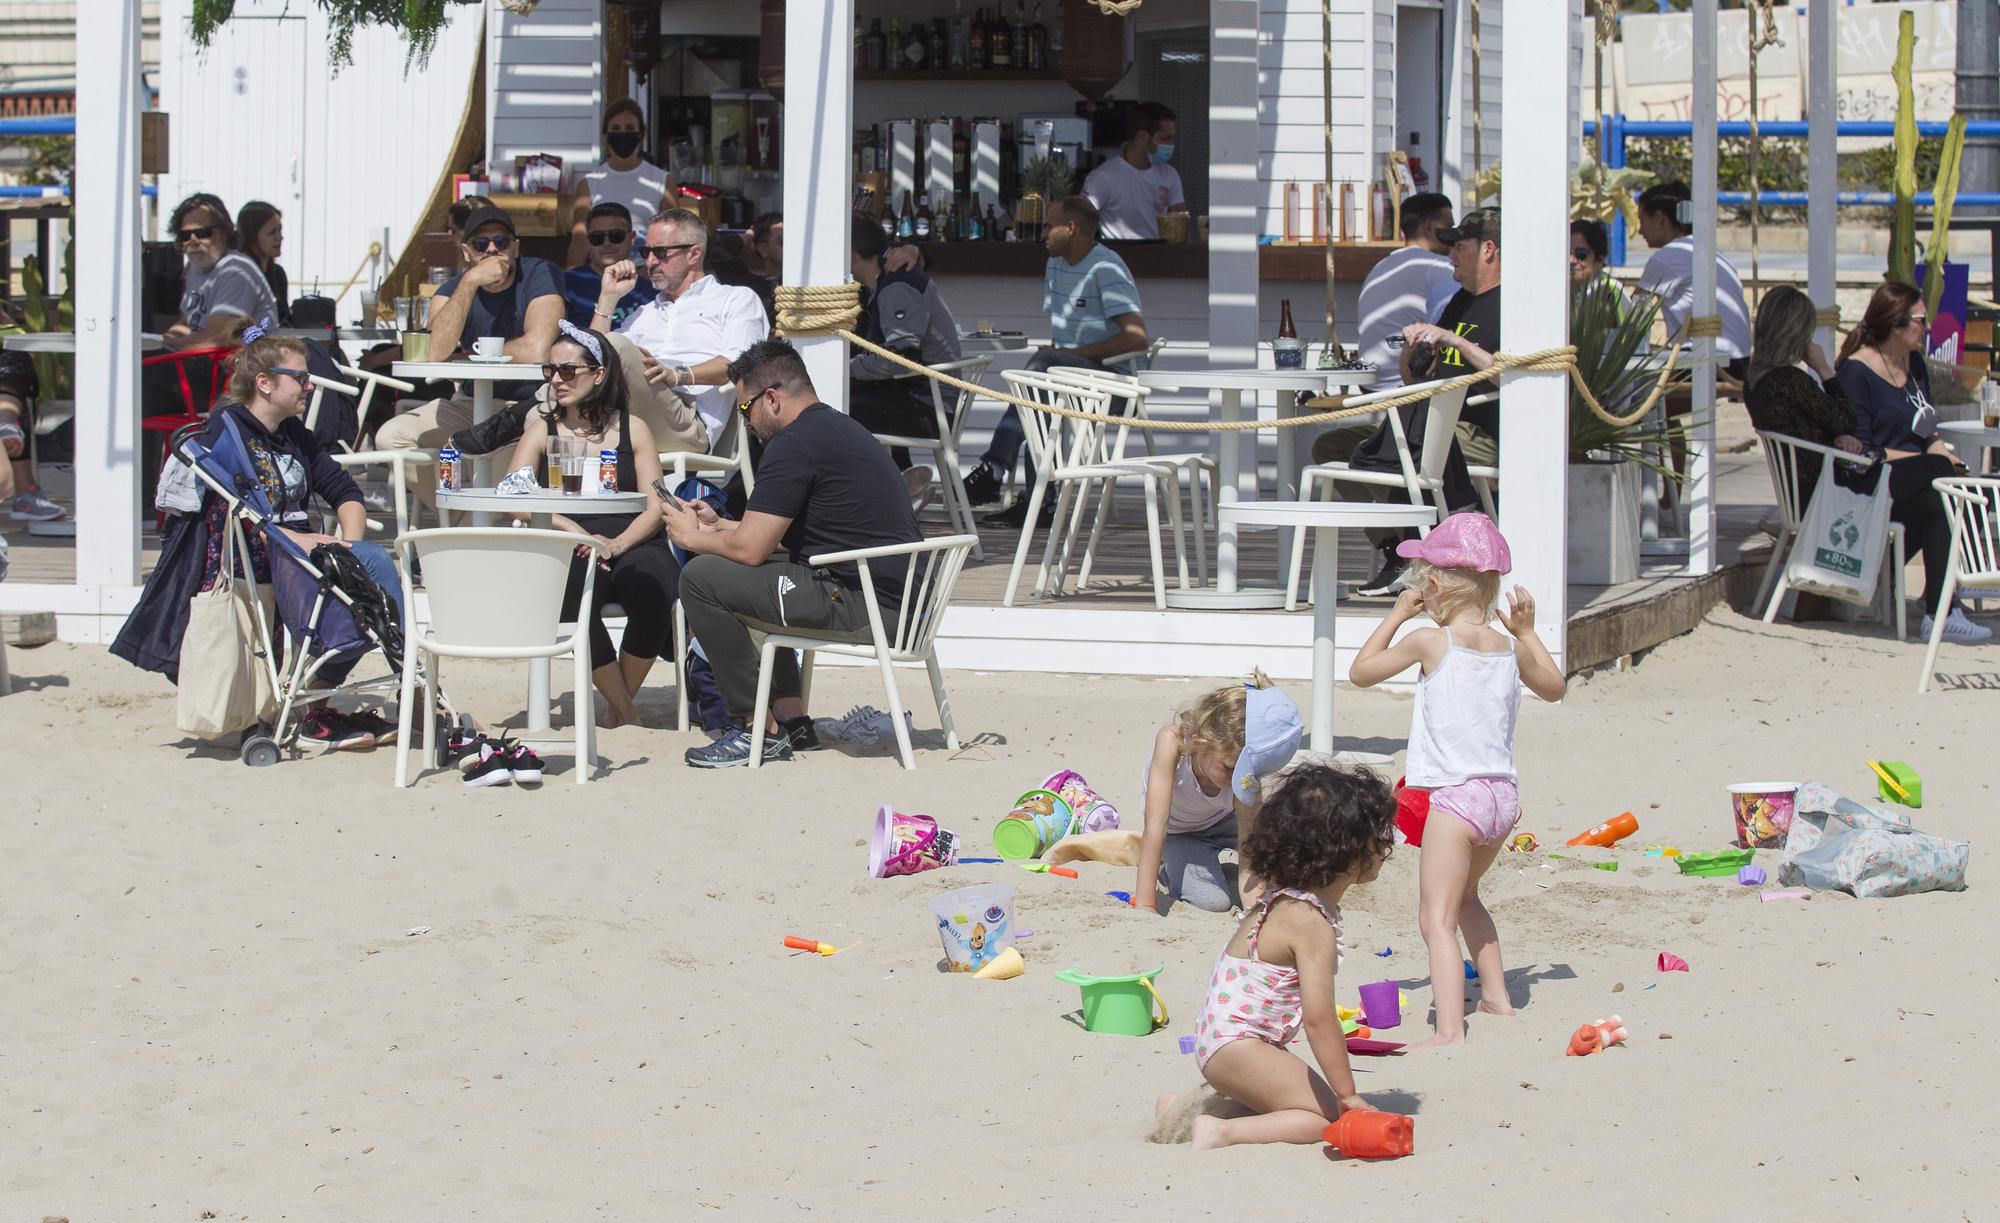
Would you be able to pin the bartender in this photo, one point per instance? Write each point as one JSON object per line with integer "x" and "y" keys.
{"x": 1132, "y": 189}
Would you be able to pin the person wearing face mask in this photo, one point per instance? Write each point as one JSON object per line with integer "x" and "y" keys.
{"x": 610, "y": 235}
{"x": 623, "y": 177}
{"x": 1132, "y": 189}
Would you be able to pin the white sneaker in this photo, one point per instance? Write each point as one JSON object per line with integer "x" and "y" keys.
{"x": 1958, "y": 627}
{"x": 34, "y": 506}
{"x": 861, "y": 726}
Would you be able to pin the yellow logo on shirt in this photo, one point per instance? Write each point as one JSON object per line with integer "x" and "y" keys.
{"x": 1452, "y": 356}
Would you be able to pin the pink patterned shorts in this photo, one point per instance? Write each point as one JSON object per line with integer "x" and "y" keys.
{"x": 1490, "y": 806}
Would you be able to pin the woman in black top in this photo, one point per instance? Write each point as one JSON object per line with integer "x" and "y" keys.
{"x": 641, "y": 575}
{"x": 1882, "y": 374}
{"x": 1790, "y": 384}
{"x": 261, "y": 229}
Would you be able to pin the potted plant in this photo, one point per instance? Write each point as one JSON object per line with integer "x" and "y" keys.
{"x": 1043, "y": 180}
{"x": 1605, "y": 461}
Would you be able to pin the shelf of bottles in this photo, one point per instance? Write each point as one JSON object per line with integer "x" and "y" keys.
{"x": 987, "y": 46}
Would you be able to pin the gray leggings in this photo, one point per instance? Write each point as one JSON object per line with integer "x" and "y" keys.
{"x": 1191, "y": 867}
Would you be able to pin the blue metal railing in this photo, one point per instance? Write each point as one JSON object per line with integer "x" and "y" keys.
{"x": 46, "y": 125}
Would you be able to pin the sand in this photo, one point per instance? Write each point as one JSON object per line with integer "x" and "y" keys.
{"x": 297, "y": 993}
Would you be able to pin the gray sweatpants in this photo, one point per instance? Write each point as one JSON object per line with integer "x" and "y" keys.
{"x": 1191, "y": 867}
{"x": 725, "y": 601}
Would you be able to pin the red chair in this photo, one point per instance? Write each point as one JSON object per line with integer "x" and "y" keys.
{"x": 196, "y": 407}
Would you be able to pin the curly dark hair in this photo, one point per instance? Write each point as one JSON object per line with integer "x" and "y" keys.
{"x": 1322, "y": 823}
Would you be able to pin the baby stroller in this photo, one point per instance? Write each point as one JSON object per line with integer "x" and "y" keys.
{"x": 328, "y": 608}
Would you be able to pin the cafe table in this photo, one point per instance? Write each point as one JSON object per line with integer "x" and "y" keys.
{"x": 482, "y": 375}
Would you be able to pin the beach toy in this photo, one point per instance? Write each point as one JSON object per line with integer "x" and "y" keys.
{"x": 1896, "y": 782}
{"x": 1669, "y": 962}
{"x": 1413, "y": 809}
{"x": 1093, "y": 812}
{"x": 1348, "y": 1025}
{"x": 1122, "y": 1006}
{"x": 1368, "y": 1047}
{"x": 1721, "y": 862}
{"x": 1187, "y": 1044}
{"x": 1123, "y": 898}
{"x": 1750, "y": 876}
{"x": 1380, "y": 1003}
{"x": 1596, "y": 1037}
{"x": 1471, "y": 973}
{"x": 1366, "y": 1134}
{"x": 1043, "y": 868}
{"x": 975, "y": 924}
{"x": 908, "y": 844}
{"x": 1523, "y": 843}
{"x": 1763, "y": 812}
{"x": 1604, "y": 866}
{"x": 1385, "y": 953}
{"x": 805, "y": 944}
{"x": 965, "y": 861}
{"x": 1003, "y": 967}
{"x": 1039, "y": 819}
{"x": 1610, "y": 832}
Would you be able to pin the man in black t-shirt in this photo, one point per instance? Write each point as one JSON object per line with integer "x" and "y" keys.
{"x": 823, "y": 485}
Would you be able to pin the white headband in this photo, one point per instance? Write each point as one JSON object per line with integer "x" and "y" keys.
{"x": 584, "y": 339}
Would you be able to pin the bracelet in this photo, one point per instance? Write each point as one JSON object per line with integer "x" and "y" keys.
{"x": 600, "y": 312}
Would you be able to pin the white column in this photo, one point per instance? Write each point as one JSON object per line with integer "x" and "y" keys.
{"x": 1234, "y": 211}
{"x": 1534, "y": 308}
{"x": 819, "y": 130}
{"x": 1700, "y": 489}
{"x": 1454, "y": 139}
{"x": 107, "y": 299}
{"x": 1822, "y": 63}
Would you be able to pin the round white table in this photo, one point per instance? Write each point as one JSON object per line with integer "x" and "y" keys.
{"x": 971, "y": 343}
{"x": 1325, "y": 518}
{"x": 1964, "y": 433}
{"x": 1228, "y": 593}
{"x": 351, "y": 335}
{"x": 540, "y": 507}
{"x": 482, "y": 375}
{"x": 65, "y": 342}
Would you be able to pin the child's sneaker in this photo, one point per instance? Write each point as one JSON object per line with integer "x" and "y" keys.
{"x": 524, "y": 766}
{"x": 491, "y": 767}
{"x": 329, "y": 728}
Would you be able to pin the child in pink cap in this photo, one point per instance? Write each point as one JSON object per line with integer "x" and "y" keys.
{"x": 1461, "y": 739}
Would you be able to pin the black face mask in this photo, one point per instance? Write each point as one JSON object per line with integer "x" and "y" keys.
{"x": 623, "y": 144}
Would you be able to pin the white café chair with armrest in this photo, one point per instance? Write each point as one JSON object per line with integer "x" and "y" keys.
{"x": 1973, "y": 505}
{"x": 1484, "y": 477}
{"x": 1132, "y": 364}
{"x": 726, "y": 454}
{"x": 945, "y": 446}
{"x": 1781, "y": 456}
{"x": 927, "y": 587}
{"x": 1420, "y": 478}
{"x": 497, "y": 592}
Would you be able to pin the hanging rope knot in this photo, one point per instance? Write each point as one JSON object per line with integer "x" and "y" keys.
{"x": 816, "y": 310}
{"x": 1707, "y": 326}
{"x": 1115, "y": 8}
{"x": 1829, "y": 317}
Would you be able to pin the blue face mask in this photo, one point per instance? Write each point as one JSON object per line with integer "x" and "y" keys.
{"x": 1162, "y": 155}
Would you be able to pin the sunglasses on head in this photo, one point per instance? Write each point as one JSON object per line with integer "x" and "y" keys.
{"x": 598, "y": 237}
{"x": 568, "y": 371}
{"x": 279, "y": 371}
{"x": 197, "y": 234}
{"x": 660, "y": 252}
{"x": 498, "y": 242}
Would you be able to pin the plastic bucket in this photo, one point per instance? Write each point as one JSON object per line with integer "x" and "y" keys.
{"x": 1288, "y": 354}
{"x": 1094, "y": 813}
{"x": 1122, "y": 1006}
{"x": 908, "y": 844}
{"x": 1039, "y": 819}
{"x": 1763, "y": 812}
{"x": 1380, "y": 1004}
{"x": 975, "y": 924}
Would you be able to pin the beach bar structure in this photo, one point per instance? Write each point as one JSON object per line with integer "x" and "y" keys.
{"x": 1263, "y": 127}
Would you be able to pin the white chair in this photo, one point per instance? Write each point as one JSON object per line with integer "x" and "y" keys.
{"x": 1973, "y": 504}
{"x": 1067, "y": 453}
{"x": 1132, "y": 364}
{"x": 1781, "y": 456}
{"x": 497, "y": 592}
{"x": 726, "y": 454}
{"x": 1420, "y": 478}
{"x": 933, "y": 573}
{"x": 945, "y": 446}
{"x": 371, "y": 381}
{"x": 1484, "y": 477}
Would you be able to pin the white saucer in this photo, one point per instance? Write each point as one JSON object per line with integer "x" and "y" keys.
{"x": 502, "y": 359}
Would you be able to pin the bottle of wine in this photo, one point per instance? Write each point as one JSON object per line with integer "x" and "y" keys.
{"x": 977, "y": 53}
{"x": 906, "y": 220}
{"x": 922, "y": 228}
{"x": 1018, "y": 36}
{"x": 1038, "y": 41}
{"x": 1000, "y": 40}
{"x": 1286, "y": 331}
{"x": 871, "y": 46}
{"x": 892, "y": 52}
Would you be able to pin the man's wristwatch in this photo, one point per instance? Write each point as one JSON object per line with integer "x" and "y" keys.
{"x": 683, "y": 376}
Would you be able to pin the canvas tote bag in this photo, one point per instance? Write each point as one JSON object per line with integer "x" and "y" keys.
{"x": 224, "y": 686}
{"x": 1840, "y": 544}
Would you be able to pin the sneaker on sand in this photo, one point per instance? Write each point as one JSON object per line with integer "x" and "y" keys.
{"x": 374, "y": 723}
{"x": 1386, "y": 581}
{"x": 800, "y": 733}
{"x": 982, "y": 487}
{"x": 1958, "y": 627}
{"x": 34, "y": 506}
{"x": 861, "y": 726}
{"x": 329, "y": 728}
{"x": 733, "y": 749}
{"x": 492, "y": 767}
{"x": 523, "y": 765}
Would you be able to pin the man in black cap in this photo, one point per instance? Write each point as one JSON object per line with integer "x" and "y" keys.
{"x": 500, "y": 293}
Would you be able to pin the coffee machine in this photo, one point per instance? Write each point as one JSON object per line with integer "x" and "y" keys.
{"x": 1045, "y": 135}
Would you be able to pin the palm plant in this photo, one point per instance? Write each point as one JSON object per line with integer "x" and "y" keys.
{"x": 1610, "y": 334}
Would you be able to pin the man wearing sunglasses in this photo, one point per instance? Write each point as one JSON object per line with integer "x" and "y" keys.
{"x": 608, "y": 238}
{"x": 222, "y": 284}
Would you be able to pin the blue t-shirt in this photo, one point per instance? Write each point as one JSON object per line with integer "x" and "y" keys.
{"x": 1889, "y": 417}
{"x": 1084, "y": 297}
{"x": 501, "y": 313}
{"x": 581, "y": 286}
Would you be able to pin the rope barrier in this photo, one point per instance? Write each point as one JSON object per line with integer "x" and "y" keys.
{"x": 1829, "y": 317}
{"x": 1708, "y": 326}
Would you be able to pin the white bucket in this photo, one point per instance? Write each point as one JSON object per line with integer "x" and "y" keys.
{"x": 975, "y": 924}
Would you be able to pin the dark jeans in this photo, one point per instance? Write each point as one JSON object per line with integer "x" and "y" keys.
{"x": 724, "y": 600}
{"x": 1920, "y": 508}
{"x": 1010, "y": 433}
{"x": 900, "y": 407}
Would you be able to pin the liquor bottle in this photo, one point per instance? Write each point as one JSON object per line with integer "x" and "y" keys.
{"x": 923, "y": 228}
{"x": 906, "y": 221}
{"x": 889, "y": 223}
{"x": 934, "y": 50}
{"x": 1018, "y": 36}
{"x": 914, "y": 47}
{"x": 1000, "y": 40}
{"x": 871, "y": 46}
{"x": 892, "y": 51}
{"x": 1286, "y": 331}
{"x": 955, "y": 56}
{"x": 1038, "y": 41}
{"x": 975, "y": 225}
{"x": 976, "y": 51}
{"x": 946, "y": 221}
{"x": 993, "y": 233}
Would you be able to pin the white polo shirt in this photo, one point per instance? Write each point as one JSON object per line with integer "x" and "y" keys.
{"x": 709, "y": 319}
{"x": 1669, "y": 276}
{"x": 1129, "y": 202}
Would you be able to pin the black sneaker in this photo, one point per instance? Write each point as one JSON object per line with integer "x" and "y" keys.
{"x": 1387, "y": 581}
{"x": 523, "y": 765}
{"x": 501, "y": 429}
{"x": 733, "y": 749}
{"x": 493, "y": 766}
{"x": 982, "y": 487}
{"x": 1016, "y": 516}
{"x": 374, "y": 723}
{"x": 329, "y": 728}
{"x": 801, "y": 734}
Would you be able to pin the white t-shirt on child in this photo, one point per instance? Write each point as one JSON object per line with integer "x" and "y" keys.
{"x": 1192, "y": 808}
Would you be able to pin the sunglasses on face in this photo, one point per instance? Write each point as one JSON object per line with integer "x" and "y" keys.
{"x": 199, "y": 234}
{"x": 498, "y": 242}
{"x": 662, "y": 253}
{"x": 568, "y": 371}
{"x": 746, "y": 404}
{"x": 304, "y": 378}
{"x": 598, "y": 237}
{"x": 1581, "y": 254}
{"x": 1904, "y": 320}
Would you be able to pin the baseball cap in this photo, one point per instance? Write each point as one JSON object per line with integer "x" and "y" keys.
{"x": 1482, "y": 224}
{"x": 1272, "y": 731}
{"x": 1462, "y": 541}
{"x": 485, "y": 214}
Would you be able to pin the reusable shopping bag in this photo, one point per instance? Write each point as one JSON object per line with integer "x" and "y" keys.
{"x": 224, "y": 685}
{"x": 1839, "y": 549}
{"x": 1837, "y": 844}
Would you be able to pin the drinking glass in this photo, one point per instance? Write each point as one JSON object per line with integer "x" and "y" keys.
{"x": 557, "y": 447}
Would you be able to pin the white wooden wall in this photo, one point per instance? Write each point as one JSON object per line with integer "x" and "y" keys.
{"x": 1290, "y": 106}
{"x": 545, "y": 89}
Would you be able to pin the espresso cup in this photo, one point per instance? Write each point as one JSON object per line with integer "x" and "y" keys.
{"x": 487, "y": 346}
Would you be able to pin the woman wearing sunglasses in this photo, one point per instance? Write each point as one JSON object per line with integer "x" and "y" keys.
{"x": 222, "y": 285}
{"x": 1881, "y": 372}
{"x": 589, "y": 405}
{"x": 623, "y": 177}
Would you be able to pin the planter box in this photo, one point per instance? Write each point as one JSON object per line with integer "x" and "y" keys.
{"x": 1603, "y": 522}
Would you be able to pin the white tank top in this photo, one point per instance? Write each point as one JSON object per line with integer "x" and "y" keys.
{"x": 639, "y": 189}
{"x": 1463, "y": 725}
{"x": 1192, "y": 808}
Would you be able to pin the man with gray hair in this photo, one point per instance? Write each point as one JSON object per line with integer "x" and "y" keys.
{"x": 696, "y": 326}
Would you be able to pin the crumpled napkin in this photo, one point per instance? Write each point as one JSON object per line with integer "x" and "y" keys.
{"x": 519, "y": 483}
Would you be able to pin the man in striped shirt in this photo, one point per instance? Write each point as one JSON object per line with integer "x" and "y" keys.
{"x": 1093, "y": 307}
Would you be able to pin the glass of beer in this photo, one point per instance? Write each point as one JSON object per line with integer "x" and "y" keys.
{"x": 572, "y": 468}
{"x": 557, "y": 444}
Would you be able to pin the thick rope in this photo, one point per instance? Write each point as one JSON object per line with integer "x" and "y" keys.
{"x": 805, "y": 310}
{"x": 1115, "y": 8}
{"x": 1829, "y": 317}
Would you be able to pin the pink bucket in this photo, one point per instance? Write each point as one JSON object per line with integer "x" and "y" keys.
{"x": 908, "y": 844}
{"x": 1093, "y": 812}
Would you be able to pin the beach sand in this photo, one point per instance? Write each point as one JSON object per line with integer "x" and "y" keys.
{"x": 218, "y": 999}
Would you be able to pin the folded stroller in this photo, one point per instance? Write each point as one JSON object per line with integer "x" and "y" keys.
{"x": 327, "y": 607}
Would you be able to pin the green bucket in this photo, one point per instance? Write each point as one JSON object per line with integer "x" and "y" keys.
{"x": 1039, "y": 819}
{"x": 1122, "y": 1006}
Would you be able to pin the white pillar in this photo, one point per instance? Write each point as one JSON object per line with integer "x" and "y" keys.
{"x": 107, "y": 299}
{"x": 1700, "y": 489}
{"x": 819, "y": 130}
{"x": 1454, "y": 142}
{"x": 1534, "y": 306}
{"x": 1235, "y": 207}
{"x": 1822, "y": 63}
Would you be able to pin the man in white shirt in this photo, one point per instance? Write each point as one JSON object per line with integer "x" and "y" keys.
{"x": 1135, "y": 187}
{"x": 1669, "y": 276}
{"x": 696, "y": 326}
{"x": 1400, "y": 289}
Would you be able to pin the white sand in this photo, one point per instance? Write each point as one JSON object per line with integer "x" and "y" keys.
{"x": 212, "y": 1003}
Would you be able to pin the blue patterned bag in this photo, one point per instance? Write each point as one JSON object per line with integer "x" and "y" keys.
{"x": 1837, "y": 844}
